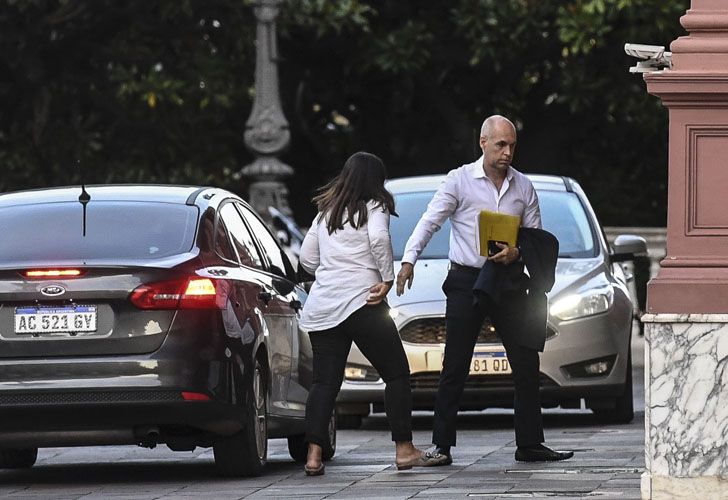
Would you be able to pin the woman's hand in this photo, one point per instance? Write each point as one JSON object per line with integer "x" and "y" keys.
{"x": 378, "y": 292}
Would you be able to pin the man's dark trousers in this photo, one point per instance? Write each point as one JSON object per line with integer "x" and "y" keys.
{"x": 463, "y": 324}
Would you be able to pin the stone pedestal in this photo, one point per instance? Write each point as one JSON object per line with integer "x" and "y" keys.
{"x": 686, "y": 399}
{"x": 686, "y": 366}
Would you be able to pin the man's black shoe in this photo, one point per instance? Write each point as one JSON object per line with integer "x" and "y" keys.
{"x": 437, "y": 456}
{"x": 541, "y": 453}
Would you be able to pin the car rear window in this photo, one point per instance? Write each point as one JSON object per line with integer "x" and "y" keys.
{"x": 114, "y": 230}
{"x": 562, "y": 214}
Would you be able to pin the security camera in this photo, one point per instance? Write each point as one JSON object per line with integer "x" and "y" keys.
{"x": 655, "y": 57}
{"x": 644, "y": 51}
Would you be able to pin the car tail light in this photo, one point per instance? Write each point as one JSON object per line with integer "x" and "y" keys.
{"x": 189, "y": 293}
{"x": 52, "y": 273}
{"x": 195, "y": 396}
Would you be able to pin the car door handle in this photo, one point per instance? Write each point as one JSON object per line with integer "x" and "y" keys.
{"x": 265, "y": 297}
{"x": 295, "y": 304}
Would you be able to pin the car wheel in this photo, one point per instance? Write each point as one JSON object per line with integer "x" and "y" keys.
{"x": 298, "y": 447}
{"x": 623, "y": 410}
{"x": 348, "y": 421}
{"x": 245, "y": 453}
{"x": 18, "y": 459}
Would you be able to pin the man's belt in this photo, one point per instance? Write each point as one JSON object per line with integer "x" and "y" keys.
{"x": 459, "y": 267}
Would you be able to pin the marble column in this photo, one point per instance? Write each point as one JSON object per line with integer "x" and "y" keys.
{"x": 686, "y": 328}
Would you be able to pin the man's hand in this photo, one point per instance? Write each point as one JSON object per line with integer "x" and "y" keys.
{"x": 378, "y": 292}
{"x": 507, "y": 255}
{"x": 406, "y": 275}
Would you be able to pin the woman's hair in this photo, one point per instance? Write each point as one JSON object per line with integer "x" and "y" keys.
{"x": 361, "y": 180}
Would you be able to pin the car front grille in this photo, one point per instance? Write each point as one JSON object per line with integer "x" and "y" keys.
{"x": 432, "y": 331}
{"x": 430, "y": 381}
{"x": 59, "y": 398}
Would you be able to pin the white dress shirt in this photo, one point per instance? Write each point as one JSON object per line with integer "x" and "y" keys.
{"x": 461, "y": 196}
{"x": 346, "y": 264}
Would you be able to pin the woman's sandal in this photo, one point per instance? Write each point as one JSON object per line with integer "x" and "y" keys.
{"x": 414, "y": 462}
{"x": 316, "y": 471}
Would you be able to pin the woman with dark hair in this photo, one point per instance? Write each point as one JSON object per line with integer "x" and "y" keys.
{"x": 349, "y": 250}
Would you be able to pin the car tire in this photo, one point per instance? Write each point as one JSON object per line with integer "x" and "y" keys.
{"x": 298, "y": 447}
{"x": 348, "y": 421}
{"x": 623, "y": 410}
{"x": 245, "y": 453}
{"x": 18, "y": 459}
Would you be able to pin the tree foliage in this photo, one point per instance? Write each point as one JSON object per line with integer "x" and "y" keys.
{"x": 160, "y": 91}
{"x": 133, "y": 90}
{"x": 413, "y": 81}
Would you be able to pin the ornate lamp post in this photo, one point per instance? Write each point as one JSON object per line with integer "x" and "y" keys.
{"x": 266, "y": 131}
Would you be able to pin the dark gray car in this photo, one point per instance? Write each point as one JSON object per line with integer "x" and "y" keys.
{"x": 147, "y": 314}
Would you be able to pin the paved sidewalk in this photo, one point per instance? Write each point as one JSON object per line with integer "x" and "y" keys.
{"x": 608, "y": 460}
{"x": 608, "y": 463}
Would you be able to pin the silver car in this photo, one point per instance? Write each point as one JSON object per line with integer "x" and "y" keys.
{"x": 587, "y": 353}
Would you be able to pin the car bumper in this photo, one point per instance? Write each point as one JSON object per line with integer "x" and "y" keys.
{"x": 117, "y": 399}
{"x": 43, "y": 424}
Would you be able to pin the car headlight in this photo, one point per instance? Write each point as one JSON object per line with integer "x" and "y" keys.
{"x": 355, "y": 373}
{"x": 585, "y": 303}
{"x": 358, "y": 373}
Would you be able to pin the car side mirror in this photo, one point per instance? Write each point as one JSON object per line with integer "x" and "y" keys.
{"x": 626, "y": 246}
{"x": 284, "y": 287}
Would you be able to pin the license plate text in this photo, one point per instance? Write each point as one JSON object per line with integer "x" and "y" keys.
{"x": 69, "y": 319}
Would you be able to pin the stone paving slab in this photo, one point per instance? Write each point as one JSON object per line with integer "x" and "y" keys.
{"x": 608, "y": 464}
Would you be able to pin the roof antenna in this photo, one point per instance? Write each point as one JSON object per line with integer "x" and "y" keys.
{"x": 84, "y": 197}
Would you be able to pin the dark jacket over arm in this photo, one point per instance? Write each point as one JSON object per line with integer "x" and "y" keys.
{"x": 516, "y": 303}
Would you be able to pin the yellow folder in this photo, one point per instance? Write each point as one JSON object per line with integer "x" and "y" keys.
{"x": 494, "y": 227}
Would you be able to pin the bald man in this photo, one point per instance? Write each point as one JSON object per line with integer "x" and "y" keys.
{"x": 489, "y": 183}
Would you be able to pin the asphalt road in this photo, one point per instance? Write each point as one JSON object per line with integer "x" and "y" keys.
{"x": 608, "y": 463}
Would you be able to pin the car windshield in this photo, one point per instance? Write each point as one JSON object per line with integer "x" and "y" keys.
{"x": 114, "y": 230}
{"x": 561, "y": 213}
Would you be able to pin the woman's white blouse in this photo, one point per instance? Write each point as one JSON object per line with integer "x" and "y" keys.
{"x": 346, "y": 265}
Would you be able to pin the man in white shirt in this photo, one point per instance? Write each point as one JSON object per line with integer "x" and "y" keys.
{"x": 490, "y": 183}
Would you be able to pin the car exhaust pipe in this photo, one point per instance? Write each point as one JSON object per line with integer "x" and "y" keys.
{"x": 148, "y": 437}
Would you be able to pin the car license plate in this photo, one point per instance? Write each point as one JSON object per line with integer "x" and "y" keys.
{"x": 489, "y": 363}
{"x": 62, "y": 319}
